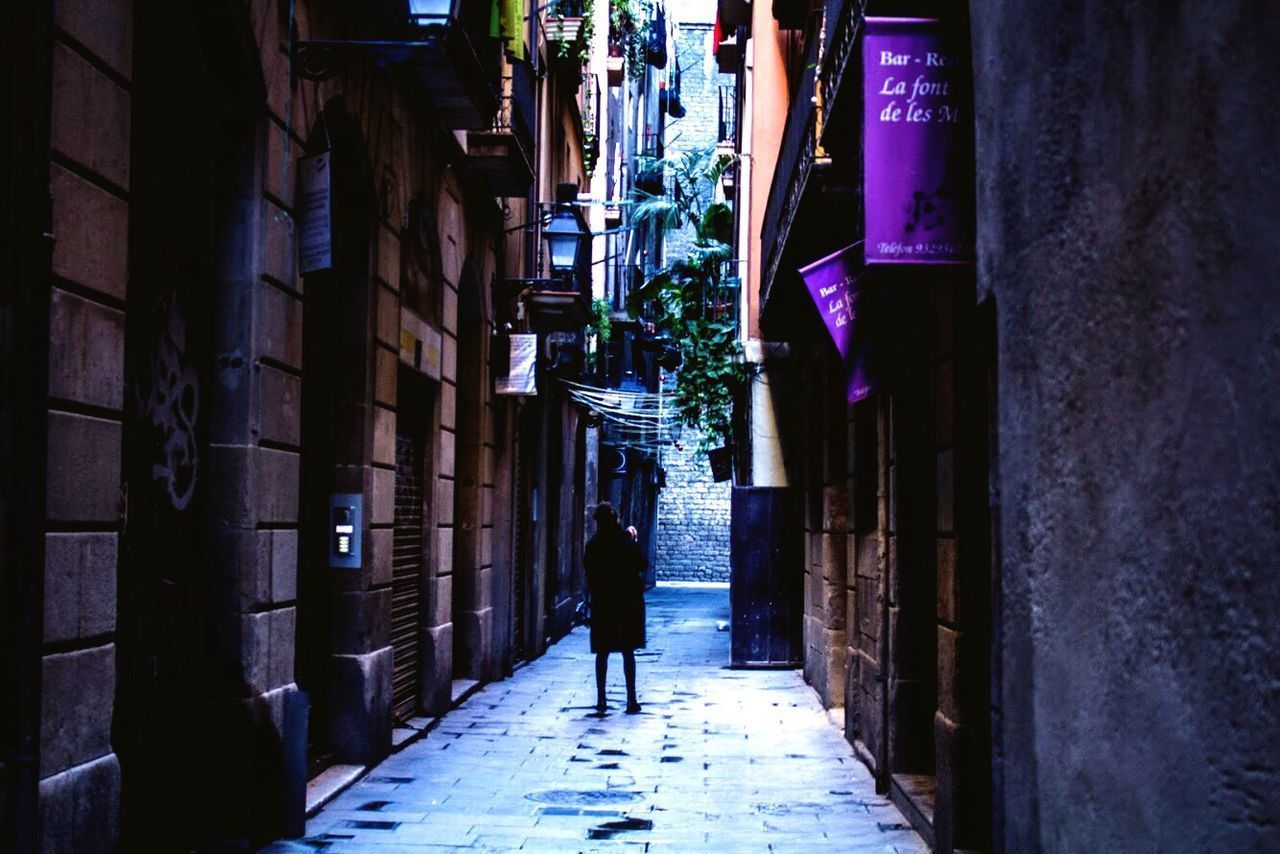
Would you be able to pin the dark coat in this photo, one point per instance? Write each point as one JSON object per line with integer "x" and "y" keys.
{"x": 615, "y": 582}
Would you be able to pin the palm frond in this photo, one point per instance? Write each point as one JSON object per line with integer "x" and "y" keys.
{"x": 719, "y": 165}
{"x": 659, "y": 213}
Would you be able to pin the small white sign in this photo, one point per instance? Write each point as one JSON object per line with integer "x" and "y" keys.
{"x": 522, "y": 375}
{"x": 315, "y": 214}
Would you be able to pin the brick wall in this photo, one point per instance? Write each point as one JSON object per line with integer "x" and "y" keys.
{"x": 693, "y": 518}
{"x": 700, "y": 82}
{"x": 693, "y": 510}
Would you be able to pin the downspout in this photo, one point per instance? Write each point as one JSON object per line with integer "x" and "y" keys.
{"x": 24, "y": 392}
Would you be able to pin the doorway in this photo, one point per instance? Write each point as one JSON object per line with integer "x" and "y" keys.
{"x": 409, "y": 542}
{"x": 912, "y": 572}
{"x": 174, "y": 648}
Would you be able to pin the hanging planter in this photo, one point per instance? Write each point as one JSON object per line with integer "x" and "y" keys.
{"x": 629, "y": 27}
{"x": 567, "y": 27}
{"x": 564, "y": 41}
{"x": 563, "y": 30}
{"x": 615, "y": 69}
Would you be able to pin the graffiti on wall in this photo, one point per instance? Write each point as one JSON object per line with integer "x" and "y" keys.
{"x": 166, "y": 394}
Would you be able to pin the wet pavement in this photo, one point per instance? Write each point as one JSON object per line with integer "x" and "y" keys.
{"x": 718, "y": 759}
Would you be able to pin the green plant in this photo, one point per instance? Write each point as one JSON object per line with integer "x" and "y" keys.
{"x": 601, "y": 324}
{"x": 557, "y": 13}
{"x": 588, "y": 31}
{"x": 690, "y": 300}
{"x": 629, "y": 22}
{"x": 590, "y": 152}
{"x": 601, "y": 328}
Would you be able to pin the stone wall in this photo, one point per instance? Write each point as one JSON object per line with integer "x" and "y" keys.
{"x": 89, "y": 185}
{"x": 693, "y": 517}
{"x": 1126, "y": 231}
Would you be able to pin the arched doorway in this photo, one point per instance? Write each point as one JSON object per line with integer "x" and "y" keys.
{"x": 196, "y": 96}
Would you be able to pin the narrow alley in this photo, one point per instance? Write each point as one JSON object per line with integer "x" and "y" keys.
{"x": 917, "y": 361}
{"x": 718, "y": 759}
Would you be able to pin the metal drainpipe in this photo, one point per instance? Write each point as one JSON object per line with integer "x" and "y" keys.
{"x": 31, "y": 48}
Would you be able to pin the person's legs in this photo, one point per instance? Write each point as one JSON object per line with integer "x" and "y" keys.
{"x": 602, "y": 670}
{"x": 629, "y": 671}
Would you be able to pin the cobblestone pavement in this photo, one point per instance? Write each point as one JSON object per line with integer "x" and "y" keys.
{"x": 718, "y": 759}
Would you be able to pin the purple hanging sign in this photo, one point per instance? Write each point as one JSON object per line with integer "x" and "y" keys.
{"x": 917, "y": 144}
{"x": 833, "y": 283}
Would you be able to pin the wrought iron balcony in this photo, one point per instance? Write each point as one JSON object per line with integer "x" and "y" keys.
{"x": 795, "y": 160}
{"x": 553, "y": 305}
{"x": 463, "y": 76}
{"x": 804, "y": 171}
{"x": 504, "y": 152}
{"x": 727, "y": 126}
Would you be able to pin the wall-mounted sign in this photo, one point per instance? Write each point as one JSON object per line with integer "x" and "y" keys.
{"x": 522, "y": 372}
{"x": 315, "y": 214}
{"x": 917, "y": 144}
{"x": 420, "y": 344}
{"x": 833, "y": 283}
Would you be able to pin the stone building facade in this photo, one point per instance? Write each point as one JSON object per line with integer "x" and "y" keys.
{"x": 188, "y": 652}
{"x": 1023, "y": 592}
{"x": 693, "y": 517}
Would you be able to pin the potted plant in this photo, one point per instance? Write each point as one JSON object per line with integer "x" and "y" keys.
{"x": 629, "y": 22}
{"x": 568, "y": 25}
{"x": 691, "y": 300}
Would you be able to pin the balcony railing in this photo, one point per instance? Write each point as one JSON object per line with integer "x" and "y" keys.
{"x": 565, "y": 8}
{"x": 504, "y": 152}
{"x": 795, "y": 159}
{"x": 727, "y": 126}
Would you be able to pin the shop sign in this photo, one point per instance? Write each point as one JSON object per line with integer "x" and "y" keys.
{"x": 315, "y": 214}
{"x": 917, "y": 144}
{"x": 834, "y": 283}
{"x": 522, "y": 371}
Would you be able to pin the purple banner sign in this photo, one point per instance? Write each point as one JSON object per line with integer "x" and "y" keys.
{"x": 833, "y": 282}
{"x": 917, "y": 144}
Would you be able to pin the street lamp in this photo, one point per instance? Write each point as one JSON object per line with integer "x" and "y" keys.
{"x": 564, "y": 237}
{"x": 427, "y": 12}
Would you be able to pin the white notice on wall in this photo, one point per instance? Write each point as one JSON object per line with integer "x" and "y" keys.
{"x": 315, "y": 214}
{"x": 522, "y": 375}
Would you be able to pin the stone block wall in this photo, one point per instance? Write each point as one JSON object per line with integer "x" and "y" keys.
{"x": 1137, "y": 461}
{"x": 825, "y": 491}
{"x": 693, "y": 518}
{"x": 92, "y": 84}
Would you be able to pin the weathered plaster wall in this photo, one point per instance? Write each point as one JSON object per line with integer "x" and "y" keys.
{"x": 1127, "y": 226}
{"x": 693, "y": 518}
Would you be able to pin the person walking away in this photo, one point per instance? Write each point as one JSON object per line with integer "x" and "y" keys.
{"x": 615, "y": 587}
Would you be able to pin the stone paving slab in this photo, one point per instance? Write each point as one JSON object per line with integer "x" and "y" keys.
{"x": 719, "y": 759}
